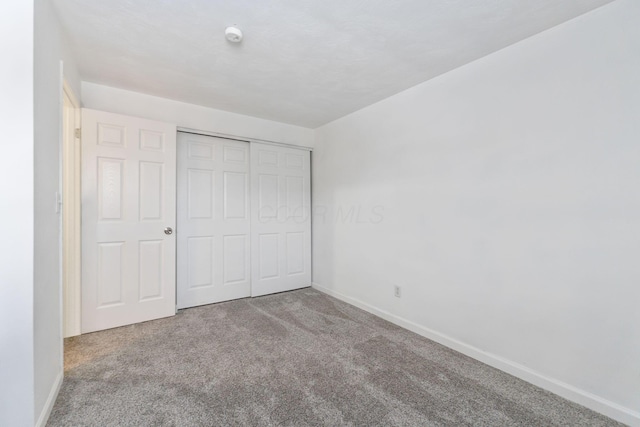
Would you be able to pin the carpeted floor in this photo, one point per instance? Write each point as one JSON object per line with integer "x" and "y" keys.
{"x": 294, "y": 359}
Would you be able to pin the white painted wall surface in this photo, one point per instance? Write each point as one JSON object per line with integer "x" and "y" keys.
{"x": 16, "y": 214}
{"x": 50, "y": 49}
{"x": 509, "y": 194}
{"x": 122, "y": 101}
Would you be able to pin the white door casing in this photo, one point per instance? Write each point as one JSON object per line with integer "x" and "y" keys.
{"x": 128, "y": 198}
{"x": 213, "y": 220}
{"x": 71, "y": 210}
{"x": 280, "y": 219}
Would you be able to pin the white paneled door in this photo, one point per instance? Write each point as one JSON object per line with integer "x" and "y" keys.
{"x": 280, "y": 215}
{"x": 213, "y": 220}
{"x": 128, "y": 213}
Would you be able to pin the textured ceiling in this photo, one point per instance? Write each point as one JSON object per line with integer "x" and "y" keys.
{"x": 304, "y": 62}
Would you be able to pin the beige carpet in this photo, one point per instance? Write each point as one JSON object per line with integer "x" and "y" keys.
{"x": 294, "y": 359}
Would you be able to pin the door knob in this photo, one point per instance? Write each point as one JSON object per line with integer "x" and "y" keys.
{"x": 168, "y": 230}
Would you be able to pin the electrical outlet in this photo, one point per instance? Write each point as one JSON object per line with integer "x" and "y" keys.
{"x": 396, "y": 291}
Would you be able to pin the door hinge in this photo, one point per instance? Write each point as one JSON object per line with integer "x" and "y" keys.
{"x": 77, "y": 133}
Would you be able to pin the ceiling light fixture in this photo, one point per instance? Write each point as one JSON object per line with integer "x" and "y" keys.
{"x": 233, "y": 34}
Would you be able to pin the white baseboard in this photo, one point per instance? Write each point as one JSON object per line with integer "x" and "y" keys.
{"x": 569, "y": 392}
{"x": 51, "y": 400}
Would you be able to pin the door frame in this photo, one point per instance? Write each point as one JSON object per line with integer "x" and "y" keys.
{"x": 71, "y": 196}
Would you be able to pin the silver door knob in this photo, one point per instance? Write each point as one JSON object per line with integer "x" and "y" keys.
{"x": 168, "y": 230}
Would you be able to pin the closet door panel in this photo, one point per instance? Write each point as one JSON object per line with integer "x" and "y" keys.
{"x": 213, "y": 220}
{"x": 281, "y": 219}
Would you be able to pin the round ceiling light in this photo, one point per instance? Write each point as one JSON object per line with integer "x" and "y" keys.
{"x": 233, "y": 34}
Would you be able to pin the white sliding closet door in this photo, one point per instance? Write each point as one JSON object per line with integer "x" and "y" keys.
{"x": 128, "y": 201}
{"x": 280, "y": 215}
{"x": 213, "y": 220}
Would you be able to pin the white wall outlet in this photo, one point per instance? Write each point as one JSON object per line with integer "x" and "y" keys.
{"x": 397, "y": 291}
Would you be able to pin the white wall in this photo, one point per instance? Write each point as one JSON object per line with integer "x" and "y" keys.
{"x": 50, "y": 49}
{"x": 121, "y": 101}
{"x": 16, "y": 214}
{"x": 510, "y": 198}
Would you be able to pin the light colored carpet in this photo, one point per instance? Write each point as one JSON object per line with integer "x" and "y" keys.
{"x": 294, "y": 359}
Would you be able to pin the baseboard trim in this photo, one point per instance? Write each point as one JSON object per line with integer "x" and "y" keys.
{"x": 569, "y": 392}
{"x": 51, "y": 400}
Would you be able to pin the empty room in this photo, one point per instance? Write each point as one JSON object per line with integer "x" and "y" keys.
{"x": 320, "y": 213}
